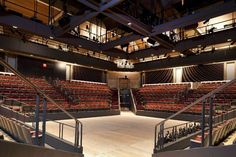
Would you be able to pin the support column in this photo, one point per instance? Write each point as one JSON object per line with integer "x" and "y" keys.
{"x": 36, "y": 142}
{"x": 211, "y": 121}
{"x": 203, "y": 122}
{"x": 44, "y": 121}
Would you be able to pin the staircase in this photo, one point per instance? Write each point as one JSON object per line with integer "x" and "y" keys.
{"x": 180, "y": 135}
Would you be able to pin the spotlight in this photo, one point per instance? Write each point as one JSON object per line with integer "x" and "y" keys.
{"x": 129, "y": 23}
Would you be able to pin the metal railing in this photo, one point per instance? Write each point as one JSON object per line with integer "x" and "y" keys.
{"x": 133, "y": 101}
{"x": 78, "y": 124}
{"x": 119, "y": 99}
{"x": 159, "y": 140}
{"x": 182, "y": 35}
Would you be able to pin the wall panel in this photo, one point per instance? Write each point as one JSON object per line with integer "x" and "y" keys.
{"x": 199, "y": 73}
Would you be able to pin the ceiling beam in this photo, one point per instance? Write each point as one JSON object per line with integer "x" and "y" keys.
{"x": 88, "y": 4}
{"x": 77, "y": 20}
{"x": 204, "y": 40}
{"x": 204, "y": 58}
{"x": 200, "y": 15}
{"x": 74, "y": 21}
{"x": 110, "y": 4}
{"x": 122, "y": 40}
{"x": 136, "y": 26}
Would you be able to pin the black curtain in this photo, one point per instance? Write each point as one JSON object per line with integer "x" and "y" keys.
{"x": 199, "y": 73}
{"x": 2, "y": 56}
{"x": 34, "y": 67}
{"x": 87, "y": 74}
{"x": 160, "y": 76}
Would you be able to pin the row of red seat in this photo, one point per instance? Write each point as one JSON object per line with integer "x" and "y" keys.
{"x": 174, "y": 97}
{"x": 88, "y": 95}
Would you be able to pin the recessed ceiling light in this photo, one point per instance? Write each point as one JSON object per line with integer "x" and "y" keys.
{"x": 129, "y": 23}
{"x": 229, "y": 39}
{"x": 51, "y": 37}
{"x": 15, "y": 27}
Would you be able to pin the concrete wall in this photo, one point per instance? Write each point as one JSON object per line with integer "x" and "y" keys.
{"x": 113, "y": 78}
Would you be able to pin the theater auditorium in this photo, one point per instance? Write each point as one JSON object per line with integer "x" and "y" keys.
{"x": 117, "y": 78}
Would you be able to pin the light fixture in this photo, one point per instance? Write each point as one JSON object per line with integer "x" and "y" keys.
{"x": 1, "y": 50}
{"x": 182, "y": 55}
{"x": 45, "y": 65}
{"x": 129, "y": 23}
{"x": 31, "y": 55}
{"x": 199, "y": 46}
{"x": 173, "y": 50}
{"x": 61, "y": 65}
{"x": 15, "y": 27}
{"x": 51, "y": 37}
{"x": 229, "y": 40}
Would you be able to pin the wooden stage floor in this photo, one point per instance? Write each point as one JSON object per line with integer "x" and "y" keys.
{"x": 125, "y": 135}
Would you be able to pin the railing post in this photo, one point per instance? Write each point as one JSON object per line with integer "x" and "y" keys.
{"x": 76, "y": 134}
{"x": 210, "y": 121}
{"x": 36, "y": 142}
{"x": 161, "y": 139}
{"x": 44, "y": 121}
{"x": 203, "y": 122}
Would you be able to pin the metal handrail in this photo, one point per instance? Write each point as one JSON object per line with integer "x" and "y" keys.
{"x": 133, "y": 101}
{"x": 119, "y": 98}
{"x": 210, "y": 94}
{"x": 79, "y": 125}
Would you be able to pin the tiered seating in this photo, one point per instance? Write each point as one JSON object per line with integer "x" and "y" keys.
{"x": 114, "y": 101}
{"x": 13, "y": 88}
{"x": 222, "y": 99}
{"x": 162, "y": 97}
{"x": 18, "y": 130}
{"x": 174, "y": 97}
{"x": 87, "y": 95}
{"x": 219, "y": 133}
